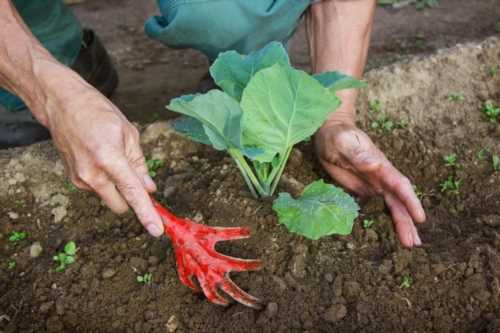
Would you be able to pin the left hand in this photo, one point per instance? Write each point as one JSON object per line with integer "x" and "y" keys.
{"x": 353, "y": 160}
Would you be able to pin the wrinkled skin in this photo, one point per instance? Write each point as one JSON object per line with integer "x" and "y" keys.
{"x": 352, "y": 159}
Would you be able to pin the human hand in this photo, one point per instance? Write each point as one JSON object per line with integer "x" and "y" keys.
{"x": 353, "y": 160}
{"x": 101, "y": 151}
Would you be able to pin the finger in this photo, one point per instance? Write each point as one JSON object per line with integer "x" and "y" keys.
{"x": 402, "y": 188}
{"x": 138, "y": 163}
{"x": 132, "y": 189}
{"x": 348, "y": 180}
{"x": 111, "y": 197}
{"x": 406, "y": 230}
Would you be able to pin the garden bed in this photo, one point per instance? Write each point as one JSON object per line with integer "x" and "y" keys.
{"x": 363, "y": 282}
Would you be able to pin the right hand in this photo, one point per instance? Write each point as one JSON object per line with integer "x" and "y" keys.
{"x": 101, "y": 151}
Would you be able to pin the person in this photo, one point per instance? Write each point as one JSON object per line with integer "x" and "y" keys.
{"x": 45, "y": 56}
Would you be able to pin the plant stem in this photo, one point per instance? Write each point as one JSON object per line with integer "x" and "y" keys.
{"x": 247, "y": 173}
{"x": 276, "y": 178}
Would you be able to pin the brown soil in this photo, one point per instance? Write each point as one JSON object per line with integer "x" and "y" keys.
{"x": 344, "y": 284}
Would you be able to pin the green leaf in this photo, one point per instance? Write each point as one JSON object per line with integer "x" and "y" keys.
{"x": 321, "y": 210}
{"x": 218, "y": 112}
{"x": 232, "y": 71}
{"x": 191, "y": 128}
{"x": 281, "y": 107}
{"x": 70, "y": 248}
{"x": 336, "y": 81}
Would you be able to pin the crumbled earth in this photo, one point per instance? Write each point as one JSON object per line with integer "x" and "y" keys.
{"x": 345, "y": 284}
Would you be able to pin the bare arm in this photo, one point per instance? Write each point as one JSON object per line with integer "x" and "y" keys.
{"x": 99, "y": 146}
{"x": 339, "y": 34}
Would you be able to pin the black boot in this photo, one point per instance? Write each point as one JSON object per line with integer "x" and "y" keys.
{"x": 93, "y": 64}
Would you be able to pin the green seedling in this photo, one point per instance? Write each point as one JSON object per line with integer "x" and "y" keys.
{"x": 406, "y": 282}
{"x": 383, "y": 123}
{"x": 496, "y": 162}
{"x": 375, "y": 106}
{"x": 154, "y": 165}
{"x": 263, "y": 109}
{"x": 497, "y": 26}
{"x": 492, "y": 71}
{"x": 422, "y": 4}
{"x": 17, "y": 236}
{"x": 11, "y": 264}
{"x": 451, "y": 185}
{"x": 367, "y": 223}
{"x": 450, "y": 160}
{"x": 456, "y": 97}
{"x": 147, "y": 278}
{"x": 491, "y": 111}
{"x": 67, "y": 257}
{"x": 481, "y": 154}
{"x": 70, "y": 187}
{"x": 402, "y": 124}
{"x": 20, "y": 203}
{"x": 418, "y": 192}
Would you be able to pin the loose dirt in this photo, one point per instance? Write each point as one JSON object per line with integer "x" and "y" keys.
{"x": 344, "y": 284}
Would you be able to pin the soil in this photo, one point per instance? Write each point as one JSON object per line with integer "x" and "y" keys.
{"x": 344, "y": 284}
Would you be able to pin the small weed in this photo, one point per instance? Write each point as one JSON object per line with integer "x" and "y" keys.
{"x": 375, "y": 106}
{"x": 145, "y": 279}
{"x": 17, "y": 236}
{"x": 406, "y": 283}
{"x": 450, "y": 160}
{"x": 422, "y": 4}
{"x": 67, "y": 257}
{"x": 496, "y": 162}
{"x": 384, "y": 123}
{"x": 11, "y": 264}
{"x": 481, "y": 154}
{"x": 20, "y": 203}
{"x": 456, "y": 97}
{"x": 154, "y": 165}
{"x": 367, "y": 223}
{"x": 402, "y": 124}
{"x": 70, "y": 187}
{"x": 491, "y": 111}
{"x": 418, "y": 192}
{"x": 492, "y": 71}
{"x": 497, "y": 26}
{"x": 451, "y": 185}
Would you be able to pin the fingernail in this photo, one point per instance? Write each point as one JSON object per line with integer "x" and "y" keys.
{"x": 417, "y": 240}
{"x": 154, "y": 230}
{"x": 149, "y": 182}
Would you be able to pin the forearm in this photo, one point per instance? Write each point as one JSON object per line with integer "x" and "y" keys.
{"x": 27, "y": 69}
{"x": 339, "y": 36}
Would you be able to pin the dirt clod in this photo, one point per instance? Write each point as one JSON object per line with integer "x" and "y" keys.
{"x": 335, "y": 313}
